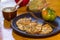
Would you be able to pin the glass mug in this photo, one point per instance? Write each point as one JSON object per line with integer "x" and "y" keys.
{"x": 8, "y": 13}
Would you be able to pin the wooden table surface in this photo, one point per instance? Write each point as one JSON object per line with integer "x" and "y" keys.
{"x": 55, "y": 4}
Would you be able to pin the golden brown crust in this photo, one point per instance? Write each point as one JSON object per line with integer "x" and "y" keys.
{"x": 32, "y": 27}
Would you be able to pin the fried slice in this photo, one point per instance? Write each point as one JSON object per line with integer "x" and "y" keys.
{"x": 46, "y": 29}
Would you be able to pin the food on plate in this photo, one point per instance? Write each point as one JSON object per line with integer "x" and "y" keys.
{"x": 32, "y": 27}
{"x": 24, "y": 21}
{"x": 48, "y": 14}
{"x": 46, "y": 29}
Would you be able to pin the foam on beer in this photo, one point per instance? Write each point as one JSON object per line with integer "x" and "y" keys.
{"x": 8, "y": 9}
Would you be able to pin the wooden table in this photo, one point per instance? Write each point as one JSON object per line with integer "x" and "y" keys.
{"x": 55, "y": 4}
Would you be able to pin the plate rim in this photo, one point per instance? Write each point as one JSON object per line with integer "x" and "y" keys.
{"x": 27, "y": 34}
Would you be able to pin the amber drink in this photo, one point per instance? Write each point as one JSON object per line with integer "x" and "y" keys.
{"x": 8, "y": 13}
